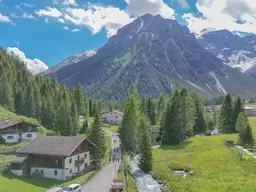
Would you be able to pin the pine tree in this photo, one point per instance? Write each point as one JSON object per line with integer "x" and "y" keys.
{"x": 48, "y": 114}
{"x": 86, "y": 107}
{"x": 145, "y": 150}
{"x": 19, "y": 102}
{"x": 200, "y": 125}
{"x": 129, "y": 124}
{"x": 6, "y": 93}
{"x": 225, "y": 116}
{"x": 38, "y": 102}
{"x": 143, "y": 105}
{"x": 79, "y": 98}
{"x": 238, "y": 108}
{"x": 75, "y": 118}
{"x": 29, "y": 105}
{"x": 97, "y": 136}
{"x": 151, "y": 111}
{"x": 90, "y": 108}
{"x": 160, "y": 107}
{"x": 209, "y": 122}
{"x": 245, "y": 131}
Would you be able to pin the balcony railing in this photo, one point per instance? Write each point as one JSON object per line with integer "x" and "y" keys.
{"x": 79, "y": 162}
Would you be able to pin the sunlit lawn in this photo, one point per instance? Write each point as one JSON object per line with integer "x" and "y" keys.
{"x": 113, "y": 129}
{"x": 217, "y": 168}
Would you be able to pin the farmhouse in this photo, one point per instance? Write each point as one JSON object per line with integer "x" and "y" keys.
{"x": 250, "y": 111}
{"x": 13, "y": 131}
{"x": 114, "y": 117}
{"x": 55, "y": 157}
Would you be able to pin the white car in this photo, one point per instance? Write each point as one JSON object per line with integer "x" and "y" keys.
{"x": 73, "y": 188}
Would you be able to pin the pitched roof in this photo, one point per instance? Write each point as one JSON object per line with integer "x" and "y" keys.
{"x": 19, "y": 158}
{"x": 5, "y": 123}
{"x": 52, "y": 145}
{"x": 118, "y": 112}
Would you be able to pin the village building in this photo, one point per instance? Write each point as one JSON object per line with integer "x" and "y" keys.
{"x": 251, "y": 111}
{"x": 55, "y": 157}
{"x": 113, "y": 117}
{"x": 13, "y": 131}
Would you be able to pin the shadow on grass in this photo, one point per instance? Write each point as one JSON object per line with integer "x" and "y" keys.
{"x": 37, "y": 181}
{"x": 180, "y": 146}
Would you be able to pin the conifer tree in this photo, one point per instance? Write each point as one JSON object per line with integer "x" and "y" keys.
{"x": 86, "y": 107}
{"x": 143, "y": 105}
{"x": 238, "y": 108}
{"x": 79, "y": 98}
{"x": 29, "y": 105}
{"x": 48, "y": 114}
{"x": 129, "y": 124}
{"x": 19, "y": 102}
{"x": 225, "y": 116}
{"x": 6, "y": 93}
{"x": 160, "y": 107}
{"x": 90, "y": 108}
{"x": 97, "y": 136}
{"x": 75, "y": 118}
{"x": 151, "y": 111}
{"x": 200, "y": 124}
{"x": 245, "y": 131}
{"x": 145, "y": 148}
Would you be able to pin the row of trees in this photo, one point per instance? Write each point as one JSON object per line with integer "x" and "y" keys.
{"x": 40, "y": 97}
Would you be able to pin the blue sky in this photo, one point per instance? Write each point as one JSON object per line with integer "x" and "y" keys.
{"x": 51, "y": 30}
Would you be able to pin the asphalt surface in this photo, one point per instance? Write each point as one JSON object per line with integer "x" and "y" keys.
{"x": 101, "y": 182}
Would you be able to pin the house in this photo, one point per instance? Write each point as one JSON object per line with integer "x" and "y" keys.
{"x": 13, "y": 131}
{"x": 55, "y": 157}
{"x": 251, "y": 111}
{"x": 113, "y": 117}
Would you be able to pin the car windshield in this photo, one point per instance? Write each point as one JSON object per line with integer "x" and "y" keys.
{"x": 67, "y": 189}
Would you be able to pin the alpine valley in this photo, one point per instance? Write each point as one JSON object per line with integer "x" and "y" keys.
{"x": 159, "y": 55}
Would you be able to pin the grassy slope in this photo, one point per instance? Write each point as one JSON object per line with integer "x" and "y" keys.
{"x": 216, "y": 167}
{"x": 113, "y": 129}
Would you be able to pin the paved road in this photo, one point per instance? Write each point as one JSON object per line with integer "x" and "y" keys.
{"x": 101, "y": 182}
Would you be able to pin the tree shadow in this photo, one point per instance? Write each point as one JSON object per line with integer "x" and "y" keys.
{"x": 37, "y": 181}
{"x": 180, "y": 146}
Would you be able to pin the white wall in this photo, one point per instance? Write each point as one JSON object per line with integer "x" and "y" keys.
{"x": 112, "y": 117}
{"x": 24, "y": 135}
{"x": 49, "y": 173}
{"x": 72, "y": 166}
{"x": 17, "y": 172}
{"x": 15, "y": 139}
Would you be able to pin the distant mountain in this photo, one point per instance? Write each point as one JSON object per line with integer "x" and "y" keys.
{"x": 232, "y": 49}
{"x": 69, "y": 61}
{"x": 158, "y": 55}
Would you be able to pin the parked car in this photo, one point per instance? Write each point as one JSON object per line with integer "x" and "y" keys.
{"x": 73, "y": 188}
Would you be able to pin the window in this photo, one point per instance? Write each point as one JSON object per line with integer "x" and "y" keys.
{"x": 29, "y": 135}
{"x": 10, "y": 137}
{"x": 70, "y": 160}
{"x": 36, "y": 170}
{"x": 56, "y": 161}
{"x": 42, "y": 171}
{"x": 116, "y": 116}
{"x": 55, "y": 172}
{"x": 78, "y": 157}
{"x": 85, "y": 155}
{"x": 70, "y": 171}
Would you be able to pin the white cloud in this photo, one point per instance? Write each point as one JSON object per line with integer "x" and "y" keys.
{"x": 141, "y": 7}
{"x": 35, "y": 66}
{"x": 66, "y": 28}
{"x": 183, "y": 3}
{"x": 224, "y": 14}
{"x": 46, "y": 20}
{"x": 75, "y": 30}
{"x": 27, "y": 5}
{"x": 5, "y": 19}
{"x": 25, "y": 16}
{"x": 49, "y": 12}
{"x": 65, "y": 2}
{"x": 61, "y": 20}
{"x": 98, "y": 17}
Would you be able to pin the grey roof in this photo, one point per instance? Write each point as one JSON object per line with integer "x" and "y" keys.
{"x": 52, "y": 145}
{"x": 19, "y": 158}
{"x": 5, "y": 123}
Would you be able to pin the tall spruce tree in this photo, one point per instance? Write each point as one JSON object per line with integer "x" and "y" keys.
{"x": 160, "y": 107}
{"x": 75, "y": 118}
{"x": 238, "y": 108}
{"x": 6, "y": 93}
{"x": 245, "y": 131}
{"x": 29, "y": 105}
{"x": 79, "y": 98}
{"x": 151, "y": 111}
{"x": 145, "y": 148}
{"x": 225, "y": 116}
{"x": 129, "y": 124}
{"x": 86, "y": 107}
{"x": 200, "y": 124}
{"x": 97, "y": 136}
